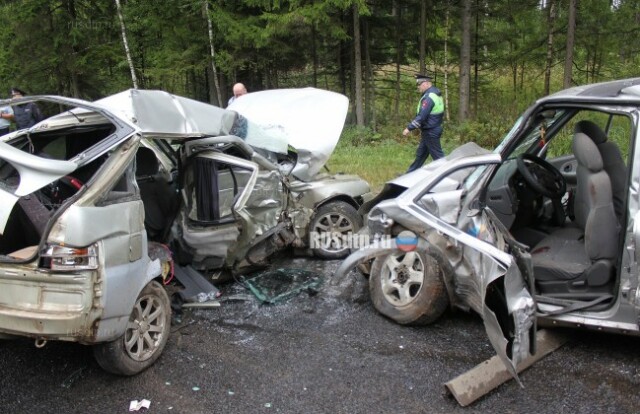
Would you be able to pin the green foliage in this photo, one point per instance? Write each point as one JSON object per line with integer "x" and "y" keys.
{"x": 376, "y": 162}
{"x": 354, "y": 135}
{"x": 486, "y": 134}
{"x": 74, "y": 47}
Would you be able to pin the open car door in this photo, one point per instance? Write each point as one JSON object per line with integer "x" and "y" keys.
{"x": 485, "y": 269}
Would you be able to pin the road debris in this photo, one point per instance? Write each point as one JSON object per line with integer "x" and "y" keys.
{"x": 280, "y": 284}
{"x": 488, "y": 375}
{"x": 208, "y": 304}
{"x": 68, "y": 382}
{"x": 196, "y": 287}
{"x": 136, "y": 405}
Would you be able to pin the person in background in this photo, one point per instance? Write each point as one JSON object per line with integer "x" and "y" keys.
{"x": 5, "y": 119}
{"x": 429, "y": 117}
{"x": 24, "y": 115}
{"x": 238, "y": 90}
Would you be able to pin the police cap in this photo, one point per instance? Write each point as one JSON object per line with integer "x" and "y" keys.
{"x": 422, "y": 78}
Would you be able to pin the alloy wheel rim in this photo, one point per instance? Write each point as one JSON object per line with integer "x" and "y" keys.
{"x": 146, "y": 328}
{"x": 402, "y": 278}
{"x": 333, "y": 226}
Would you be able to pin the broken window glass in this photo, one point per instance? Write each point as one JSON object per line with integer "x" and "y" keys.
{"x": 277, "y": 285}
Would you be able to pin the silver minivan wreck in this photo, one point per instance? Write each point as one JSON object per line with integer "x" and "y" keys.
{"x": 91, "y": 198}
{"x": 544, "y": 230}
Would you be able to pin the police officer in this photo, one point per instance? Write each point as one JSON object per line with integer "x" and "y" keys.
{"x": 429, "y": 115}
{"x": 24, "y": 115}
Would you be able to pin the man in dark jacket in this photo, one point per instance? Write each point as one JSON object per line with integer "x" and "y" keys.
{"x": 24, "y": 115}
{"x": 429, "y": 116}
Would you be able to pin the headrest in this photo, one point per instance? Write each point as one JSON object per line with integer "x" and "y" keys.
{"x": 592, "y": 130}
{"x": 586, "y": 152}
{"x": 146, "y": 162}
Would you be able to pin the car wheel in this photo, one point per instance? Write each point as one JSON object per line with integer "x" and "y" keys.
{"x": 144, "y": 338}
{"x": 408, "y": 288}
{"x": 331, "y": 223}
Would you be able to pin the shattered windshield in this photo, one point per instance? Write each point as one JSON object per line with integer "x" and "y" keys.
{"x": 536, "y": 133}
{"x": 272, "y": 139}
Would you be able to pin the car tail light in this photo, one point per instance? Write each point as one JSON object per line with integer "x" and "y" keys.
{"x": 69, "y": 259}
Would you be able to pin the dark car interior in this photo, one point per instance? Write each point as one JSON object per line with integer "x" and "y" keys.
{"x": 29, "y": 217}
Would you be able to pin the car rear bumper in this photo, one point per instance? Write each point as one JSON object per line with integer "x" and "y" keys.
{"x": 48, "y": 305}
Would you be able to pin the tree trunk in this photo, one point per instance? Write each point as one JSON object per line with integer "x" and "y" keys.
{"x": 314, "y": 54}
{"x": 476, "y": 58}
{"x": 342, "y": 73}
{"x": 514, "y": 71}
{"x": 446, "y": 64}
{"x": 213, "y": 54}
{"x": 571, "y": 38}
{"x": 134, "y": 79}
{"x": 357, "y": 49}
{"x": 398, "y": 11}
{"x": 342, "y": 76}
{"x": 423, "y": 35}
{"x": 551, "y": 19}
{"x": 74, "y": 82}
{"x": 369, "y": 87}
{"x": 465, "y": 61}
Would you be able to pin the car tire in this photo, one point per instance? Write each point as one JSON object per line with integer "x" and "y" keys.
{"x": 145, "y": 336}
{"x": 408, "y": 288}
{"x": 335, "y": 218}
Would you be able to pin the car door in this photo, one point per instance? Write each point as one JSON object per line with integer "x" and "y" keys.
{"x": 486, "y": 269}
{"x": 492, "y": 271}
{"x": 228, "y": 202}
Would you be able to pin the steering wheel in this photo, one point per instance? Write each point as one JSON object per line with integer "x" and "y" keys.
{"x": 541, "y": 176}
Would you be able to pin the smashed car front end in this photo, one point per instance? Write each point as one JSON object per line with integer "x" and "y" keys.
{"x": 483, "y": 268}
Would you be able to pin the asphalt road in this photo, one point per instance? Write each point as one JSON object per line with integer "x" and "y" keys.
{"x": 328, "y": 352}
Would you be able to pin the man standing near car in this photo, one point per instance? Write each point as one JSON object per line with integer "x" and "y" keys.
{"x": 24, "y": 115}
{"x": 429, "y": 117}
{"x": 238, "y": 90}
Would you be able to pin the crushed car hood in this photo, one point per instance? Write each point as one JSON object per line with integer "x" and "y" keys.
{"x": 311, "y": 120}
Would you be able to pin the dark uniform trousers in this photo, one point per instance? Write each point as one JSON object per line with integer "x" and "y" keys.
{"x": 429, "y": 145}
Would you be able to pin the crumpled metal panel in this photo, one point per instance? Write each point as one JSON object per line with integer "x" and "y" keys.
{"x": 475, "y": 254}
{"x": 35, "y": 172}
{"x": 209, "y": 242}
{"x": 265, "y": 203}
{"x": 323, "y": 187}
{"x": 83, "y": 223}
{"x": 444, "y": 205}
{"x": 312, "y": 120}
{"x": 158, "y": 113}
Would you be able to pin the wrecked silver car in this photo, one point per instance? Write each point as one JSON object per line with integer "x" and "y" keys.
{"x": 99, "y": 201}
{"x": 543, "y": 230}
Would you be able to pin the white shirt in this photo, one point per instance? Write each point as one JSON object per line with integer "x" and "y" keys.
{"x": 4, "y": 123}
